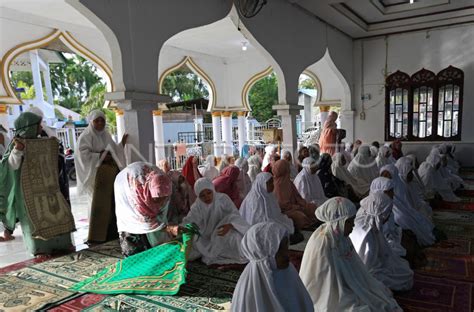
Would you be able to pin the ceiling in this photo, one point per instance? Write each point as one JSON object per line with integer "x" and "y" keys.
{"x": 366, "y": 18}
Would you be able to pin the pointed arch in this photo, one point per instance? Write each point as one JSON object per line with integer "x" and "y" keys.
{"x": 249, "y": 84}
{"x": 67, "y": 39}
{"x": 316, "y": 80}
{"x": 191, "y": 64}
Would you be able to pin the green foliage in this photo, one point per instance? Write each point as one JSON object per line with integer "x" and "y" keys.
{"x": 262, "y": 96}
{"x": 58, "y": 114}
{"x": 25, "y": 77}
{"x": 184, "y": 85}
{"x": 307, "y": 83}
{"x": 96, "y": 100}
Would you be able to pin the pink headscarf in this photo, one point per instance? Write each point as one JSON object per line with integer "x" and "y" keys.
{"x": 285, "y": 191}
{"x": 226, "y": 183}
{"x": 150, "y": 184}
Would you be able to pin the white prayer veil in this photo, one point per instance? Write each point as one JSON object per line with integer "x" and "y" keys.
{"x": 308, "y": 184}
{"x": 254, "y": 167}
{"x": 262, "y": 206}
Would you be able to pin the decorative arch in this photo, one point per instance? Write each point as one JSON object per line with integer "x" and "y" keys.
{"x": 67, "y": 39}
{"x": 249, "y": 84}
{"x": 191, "y": 64}
{"x": 316, "y": 80}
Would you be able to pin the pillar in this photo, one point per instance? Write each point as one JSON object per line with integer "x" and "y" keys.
{"x": 47, "y": 83}
{"x": 120, "y": 121}
{"x": 288, "y": 115}
{"x": 216, "y": 133}
{"x": 4, "y": 116}
{"x": 159, "y": 135}
{"x": 227, "y": 132}
{"x": 138, "y": 122}
{"x": 323, "y": 113}
{"x": 35, "y": 70}
{"x": 347, "y": 123}
{"x": 242, "y": 131}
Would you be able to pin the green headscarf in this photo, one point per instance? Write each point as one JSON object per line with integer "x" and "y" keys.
{"x": 26, "y": 127}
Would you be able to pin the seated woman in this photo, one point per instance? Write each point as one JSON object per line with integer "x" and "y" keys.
{"x": 273, "y": 159}
{"x": 405, "y": 215}
{"x": 334, "y": 275}
{"x": 308, "y": 183}
{"x": 261, "y": 205}
{"x": 302, "y": 154}
{"x": 270, "y": 150}
{"x": 98, "y": 162}
{"x": 363, "y": 168}
{"x": 384, "y": 157}
{"x": 371, "y": 245}
{"x": 244, "y": 183}
{"x": 331, "y": 186}
{"x": 269, "y": 282}
{"x": 255, "y": 166}
{"x": 142, "y": 192}
{"x": 227, "y": 183}
{"x": 290, "y": 201}
{"x": 13, "y": 194}
{"x": 405, "y": 170}
{"x": 220, "y": 225}
{"x": 286, "y": 155}
{"x": 339, "y": 170}
{"x": 433, "y": 180}
{"x": 209, "y": 169}
{"x": 454, "y": 180}
{"x": 179, "y": 199}
{"x": 396, "y": 147}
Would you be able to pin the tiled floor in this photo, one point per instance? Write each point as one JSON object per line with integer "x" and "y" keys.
{"x": 14, "y": 251}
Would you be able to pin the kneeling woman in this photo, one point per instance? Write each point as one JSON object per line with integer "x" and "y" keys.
{"x": 331, "y": 270}
{"x": 220, "y": 224}
{"x": 142, "y": 192}
{"x": 269, "y": 282}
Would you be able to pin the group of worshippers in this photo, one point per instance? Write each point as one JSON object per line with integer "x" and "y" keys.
{"x": 362, "y": 202}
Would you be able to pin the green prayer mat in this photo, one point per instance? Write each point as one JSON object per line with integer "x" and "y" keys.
{"x": 160, "y": 270}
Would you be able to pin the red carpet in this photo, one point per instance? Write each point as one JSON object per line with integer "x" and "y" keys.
{"x": 79, "y": 304}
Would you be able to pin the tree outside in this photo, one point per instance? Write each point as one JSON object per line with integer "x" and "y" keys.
{"x": 184, "y": 85}
{"x": 263, "y": 96}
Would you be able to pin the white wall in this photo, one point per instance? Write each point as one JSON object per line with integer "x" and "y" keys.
{"x": 410, "y": 52}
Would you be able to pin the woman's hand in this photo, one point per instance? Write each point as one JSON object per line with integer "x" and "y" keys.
{"x": 19, "y": 145}
{"x": 124, "y": 139}
{"x": 223, "y": 230}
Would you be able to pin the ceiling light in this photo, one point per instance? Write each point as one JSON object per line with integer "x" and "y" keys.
{"x": 412, "y": 1}
{"x": 244, "y": 45}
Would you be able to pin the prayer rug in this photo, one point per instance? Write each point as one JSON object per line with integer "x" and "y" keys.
{"x": 449, "y": 266}
{"x": 302, "y": 245}
{"x": 455, "y": 217}
{"x": 18, "y": 294}
{"x": 456, "y": 230}
{"x": 437, "y": 294}
{"x": 46, "y": 207}
{"x": 453, "y": 246}
{"x": 463, "y": 205}
{"x": 79, "y": 304}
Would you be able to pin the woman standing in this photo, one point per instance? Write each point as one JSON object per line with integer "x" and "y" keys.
{"x": 98, "y": 162}
{"x": 13, "y": 195}
{"x": 328, "y": 139}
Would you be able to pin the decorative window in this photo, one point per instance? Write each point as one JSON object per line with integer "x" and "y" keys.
{"x": 397, "y": 87}
{"x": 424, "y": 106}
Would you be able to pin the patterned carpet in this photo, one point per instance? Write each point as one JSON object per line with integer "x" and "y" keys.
{"x": 445, "y": 283}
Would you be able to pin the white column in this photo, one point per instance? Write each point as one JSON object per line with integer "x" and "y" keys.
{"x": 4, "y": 116}
{"x": 227, "y": 132}
{"x": 347, "y": 123}
{"x": 242, "y": 121}
{"x": 35, "y": 70}
{"x": 159, "y": 135}
{"x": 324, "y": 113}
{"x": 288, "y": 115}
{"x": 216, "y": 133}
{"x": 47, "y": 82}
{"x": 120, "y": 121}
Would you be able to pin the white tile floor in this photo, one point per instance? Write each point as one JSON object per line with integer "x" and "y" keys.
{"x": 14, "y": 251}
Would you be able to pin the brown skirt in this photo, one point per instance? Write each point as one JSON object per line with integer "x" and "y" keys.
{"x": 103, "y": 222}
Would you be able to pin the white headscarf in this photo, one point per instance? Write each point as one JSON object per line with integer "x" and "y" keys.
{"x": 244, "y": 182}
{"x": 372, "y": 246}
{"x": 254, "y": 167}
{"x": 432, "y": 178}
{"x": 269, "y": 151}
{"x": 293, "y": 169}
{"x": 363, "y": 168}
{"x": 391, "y": 231}
{"x": 405, "y": 215}
{"x": 209, "y": 218}
{"x": 88, "y": 157}
{"x": 262, "y": 206}
{"x": 209, "y": 170}
{"x": 333, "y": 273}
{"x": 382, "y": 158}
{"x": 308, "y": 184}
{"x": 340, "y": 171}
{"x": 258, "y": 288}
